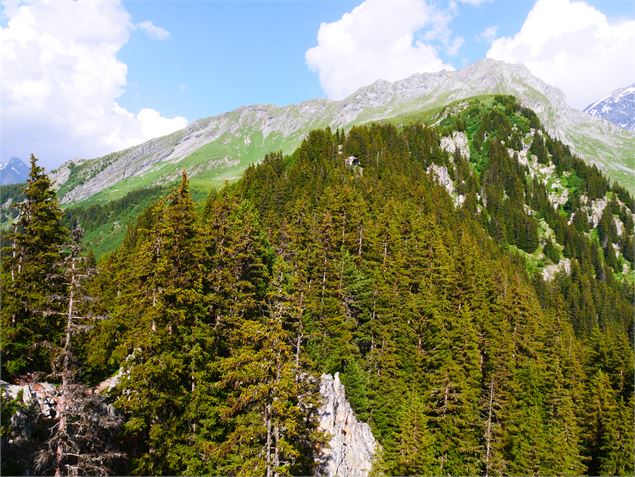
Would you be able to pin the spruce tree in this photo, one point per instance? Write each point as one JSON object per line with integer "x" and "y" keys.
{"x": 269, "y": 400}
{"x": 158, "y": 376}
{"x": 33, "y": 284}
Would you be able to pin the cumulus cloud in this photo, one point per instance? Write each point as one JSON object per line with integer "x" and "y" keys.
{"x": 61, "y": 81}
{"x": 153, "y": 31}
{"x": 573, "y": 46}
{"x": 488, "y": 34}
{"x": 379, "y": 40}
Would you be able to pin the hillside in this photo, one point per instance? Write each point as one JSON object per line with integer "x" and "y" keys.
{"x": 219, "y": 148}
{"x": 468, "y": 282}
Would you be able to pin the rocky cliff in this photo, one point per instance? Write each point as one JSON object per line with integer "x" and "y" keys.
{"x": 352, "y": 446}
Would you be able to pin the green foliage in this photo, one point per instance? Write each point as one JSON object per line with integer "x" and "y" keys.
{"x": 32, "y": 279}
{"x": 538, "y": 148}
{"x": 10, "y": 195}
{"x": 460, "y": 360}
{"x": 551, "y": 252}
{"x": 106, "y": 223}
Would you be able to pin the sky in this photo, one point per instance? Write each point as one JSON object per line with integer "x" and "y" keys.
{"x": 82, "y": 78}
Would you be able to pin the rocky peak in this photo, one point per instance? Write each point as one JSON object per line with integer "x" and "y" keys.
{"x": 618, "y": 108}
{"x": 14, "y": 171}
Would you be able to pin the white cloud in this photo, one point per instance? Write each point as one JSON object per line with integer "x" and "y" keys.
{"x": 488, "y": 34}
{"x": 378, "y": 40}
{"x": 573, "y": 46}
{"x": 453, "y": 5}
{"x": 453, "y": 48}
{"x": 61, "y": 81}
{"x": 153, "y": 31}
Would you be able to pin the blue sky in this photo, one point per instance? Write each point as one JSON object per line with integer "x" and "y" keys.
{"x": 231, "y": 53}
{"x": 84, "y": 78}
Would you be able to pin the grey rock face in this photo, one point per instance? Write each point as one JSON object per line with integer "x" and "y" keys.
{"x": 352, "y": 446}
{"x": 44, "y": 395}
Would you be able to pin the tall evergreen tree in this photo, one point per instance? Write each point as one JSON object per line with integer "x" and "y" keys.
{"x": 33, "y": 284}
{"x": 158, "y": 377}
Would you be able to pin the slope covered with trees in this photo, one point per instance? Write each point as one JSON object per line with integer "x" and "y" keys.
{"x": 418, "y": 272}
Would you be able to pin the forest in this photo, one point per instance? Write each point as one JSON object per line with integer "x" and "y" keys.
{"x": 219, "y": 317}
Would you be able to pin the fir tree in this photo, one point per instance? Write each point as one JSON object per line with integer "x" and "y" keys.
{"x": 33, "y": 280}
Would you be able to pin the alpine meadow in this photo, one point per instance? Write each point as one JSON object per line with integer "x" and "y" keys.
{"x": 433, "y": 276}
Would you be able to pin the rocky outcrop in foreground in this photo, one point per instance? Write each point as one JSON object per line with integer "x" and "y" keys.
{"x": 352, "y": 446}
{"x": 350, "y": 450}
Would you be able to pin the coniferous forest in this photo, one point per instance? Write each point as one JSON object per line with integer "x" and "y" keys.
{"x": 349, "y": 256}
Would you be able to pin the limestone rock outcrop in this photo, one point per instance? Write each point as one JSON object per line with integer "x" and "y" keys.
{"x": 352, "y": 446}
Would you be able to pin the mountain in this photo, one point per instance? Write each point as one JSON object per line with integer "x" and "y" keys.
{"x": 219, "y": 148}
{"x": 470, "y": 282}
{"x": 618, "y": 107}
{"x": 14, "y": 171}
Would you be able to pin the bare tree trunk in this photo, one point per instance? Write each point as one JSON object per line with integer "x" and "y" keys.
{"x": 276, "y": 452}
{"x": 61, "y": 405}
{"x": 276, "y": 435}
{"x": 299, "y": 338}
{"x": 488, "y": 430}
{"x": 268, "y": 444}
{"x": 13, "y": 254}
{"x": 192, "y": 388}
{"x": 344, "y": 228}
{"x": 14, "y": 248}
{"x": 446, "y": 393}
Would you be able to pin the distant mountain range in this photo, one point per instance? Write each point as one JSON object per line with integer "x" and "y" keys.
{"x": 220, "y": 148}
{"x": 14, "y": 171}
{"x": 618, "y": 107}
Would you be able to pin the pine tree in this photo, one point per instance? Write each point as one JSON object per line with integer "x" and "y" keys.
{"x": 601, "y": 406}
{"x": 538, "y": 148}
{"x": 414, "y": 443}
{"x": 617, "y": 442}
{"x": 551, "y": 252}
{"x": 270, "y": 400}
{"x": 459, "y": 360}
{"x": 158, "y": 376}
{"x": 32, "y": 279}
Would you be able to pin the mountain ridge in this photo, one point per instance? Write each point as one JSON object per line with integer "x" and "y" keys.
{"x": 219, "y": 148}
{"x": 618, "y": 108}
{"x": 13, "y": 171}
